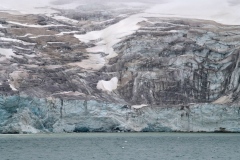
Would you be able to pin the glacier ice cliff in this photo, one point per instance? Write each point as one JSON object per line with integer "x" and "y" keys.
{"x": 33, "y": 115}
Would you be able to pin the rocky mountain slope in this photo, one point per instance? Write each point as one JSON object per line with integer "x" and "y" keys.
{"x": 117, "y": 69}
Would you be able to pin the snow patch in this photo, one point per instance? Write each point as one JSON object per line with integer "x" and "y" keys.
{"x": 28, "y": 129}
{"x": 22, "y": 48}
{"x": 222, "y": 13}
{"x": 8, "y": 53}
{"x": 223, "y": 100}
{"x": 93, "y": 35}
{"x": 138, "y": 106}
{"x": 112, "y": 35}
{"x": 29, "y": 34}
{"x": 95, "y": 62}
{"x": 34, "y": 25}
{"x": 62, "y": 33}
{"x": 56, "y": 42}
{"x": 11, "y": 85}
{"x": 65, "y": 19}
{"x": 108, "y": 85}
{"x": 1, "y": 26}
{"x": 40, "y": 36}
{"x": 16, "y": 40}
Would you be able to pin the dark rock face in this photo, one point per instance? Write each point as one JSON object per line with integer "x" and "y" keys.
{"x": 173, "y": 75}
{"x": 186, "y": 62}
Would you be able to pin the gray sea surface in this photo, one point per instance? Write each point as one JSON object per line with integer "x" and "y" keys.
{"x": 121, "y": 146}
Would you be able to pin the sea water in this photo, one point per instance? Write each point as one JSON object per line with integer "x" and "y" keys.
{"x": 121, "y": 146}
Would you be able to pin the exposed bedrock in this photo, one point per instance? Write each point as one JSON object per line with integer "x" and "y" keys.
{"x": 188, "y": 61}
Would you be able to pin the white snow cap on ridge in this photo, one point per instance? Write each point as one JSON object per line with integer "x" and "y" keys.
{"x": 221, "y": 11}
{"x": 35, "y": 6}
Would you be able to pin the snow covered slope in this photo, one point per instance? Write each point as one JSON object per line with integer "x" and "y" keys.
{"x": 34, "y": 6}
{"x": 222, "y": 11}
